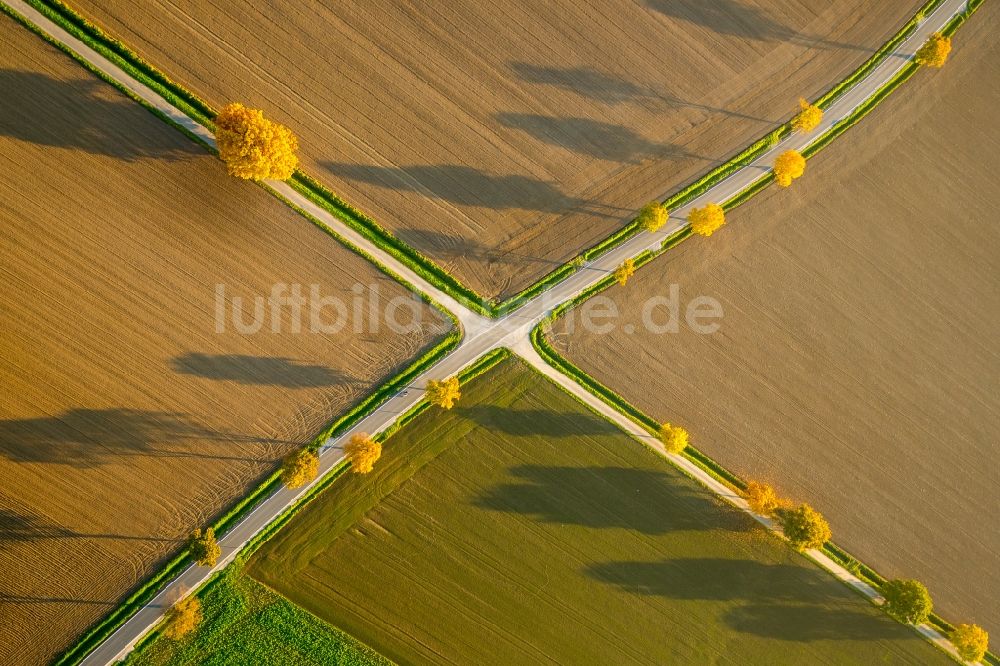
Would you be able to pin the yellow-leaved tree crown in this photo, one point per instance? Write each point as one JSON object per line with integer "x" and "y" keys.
{"x": 705, "y": 220}
{"x": 652, "y": 216}
{"x": 808, "y": 118}
{"x": 934, "y": 52}
{"x": 182, "y": 618}
{"x": 363, "y": 452}
{"x": 443, "y": 393}
{"x": 253, "y": 147}
{"x": 674, "y": 438}
{"x": 625, "y": 271}
{"x": 299, "y": 468}
{"x": 788, "y": 166}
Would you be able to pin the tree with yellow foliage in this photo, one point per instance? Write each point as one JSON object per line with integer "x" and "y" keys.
{"x": 674, "y": 438}
{"x": 907, "y": 600}
{"x": 808, "y": 118}
{"x": 805, "y": 527}
{"x": 204, "y": 548}
{"x": 443, "y": 393}
{"x": 788, "y": 166}
{"x": 762, "y": 499}
{"x": 934, "y": 52}
{"x": 363, "y": 452}
{"x": 971, "y": 641}
{"x": 182, "y": 618}
{"x": 704, "y": 221}
{"x": 299, "y": 468}
{"x": 254, "y": 147}
{"x": 652, "y": 216}
{"x": 625, "y": 271}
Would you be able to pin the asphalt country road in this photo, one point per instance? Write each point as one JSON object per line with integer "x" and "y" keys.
{"x": 482, "y": 334}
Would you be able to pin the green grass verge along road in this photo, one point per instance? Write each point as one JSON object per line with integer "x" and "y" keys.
{"x": 521, "y": 528}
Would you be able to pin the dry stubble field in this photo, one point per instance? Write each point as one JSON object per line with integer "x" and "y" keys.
{"x": 502, "y": 138}
{"x": 857, "y": 366}
{"x": 125, "y": 419}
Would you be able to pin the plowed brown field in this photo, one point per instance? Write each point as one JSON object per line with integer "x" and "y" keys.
{"x": 857, "y": 365}
{"x": 501, "y": 138}
{"x": 125, "y": 419}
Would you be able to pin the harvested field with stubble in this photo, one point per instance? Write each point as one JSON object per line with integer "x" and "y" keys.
{"x": 126, "y": 419}
{"x": 502, "y": 138}
{"x": 520, "y": 528}
{"x": 858, "y": 364}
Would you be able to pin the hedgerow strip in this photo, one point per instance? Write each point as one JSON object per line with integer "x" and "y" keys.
{"x": 620, "y": 404}
{"x": 482, "y": 365}
{"x": 705, "y": 182}
{"x": 367, "y": 227}
{"x": 193, "y": 106}
{"x": 705, "y": 462}
{"x": 142, "y": 595}
{"x": 865, "y": 69}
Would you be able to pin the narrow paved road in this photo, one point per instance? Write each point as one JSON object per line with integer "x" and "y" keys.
{"x": 480, "y": 333}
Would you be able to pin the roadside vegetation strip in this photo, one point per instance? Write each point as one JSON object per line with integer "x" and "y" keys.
{"x": 371, "y": 230}
{"x": 522, "y": 469}
{"x": 861, "y": 72}
{"x": 149, "y": 589}
{"x": 482, "y": 365}
{"x": 746, "y": 156}
{"x": 840, "y": 556}
{"x": 193, "y": 106}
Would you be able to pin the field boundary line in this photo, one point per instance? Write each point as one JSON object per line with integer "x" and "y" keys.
{"x": 699, "y": 465}
{"x": 197, "y": 109}
{"x": 481, "y": 334}
{"x": 721, "y": 172}
{"x": 324, "y": 480}
{"x": 716, "y": 478}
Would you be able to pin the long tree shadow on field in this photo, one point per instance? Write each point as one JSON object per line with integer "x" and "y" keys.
{"x": 259, "y": 370}
{"x": 450, "y": 246}
{"x": 543, "y": 422}
{"x": 647, "y": 501}
{"x": 717, "y": 579}
{"x": 592, "y": 84}
{"x": 804, "y": 623}
{"x": 16, "y": 527}
{"x": 16, "y": 599}
{"x": 466, "y": 186}
{"x": 738, "y": 19}
{"x": 601, "y": 140}
{"x": 90, "y": 437}
{"x": 91, "y": 116}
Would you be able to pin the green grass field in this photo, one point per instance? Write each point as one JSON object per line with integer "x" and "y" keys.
{"x": 245, "y": 623}
{"x": 520, "y": 528}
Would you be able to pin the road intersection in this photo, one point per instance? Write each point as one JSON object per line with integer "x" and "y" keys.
{"x": 482, "y": 334}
